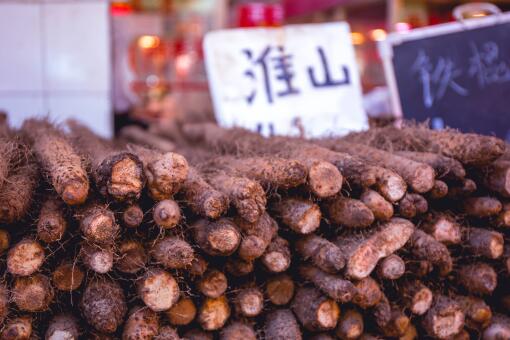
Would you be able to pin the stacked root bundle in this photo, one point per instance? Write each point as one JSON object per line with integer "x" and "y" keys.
{"x": 224, "y": 234}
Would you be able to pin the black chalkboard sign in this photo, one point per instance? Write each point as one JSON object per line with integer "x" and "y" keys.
{"x": 455, "y": 74}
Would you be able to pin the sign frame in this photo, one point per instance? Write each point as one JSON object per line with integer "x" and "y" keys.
{"x": 385, "y": 47}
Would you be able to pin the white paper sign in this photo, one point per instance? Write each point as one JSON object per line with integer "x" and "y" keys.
{"x": 285, "y": 80}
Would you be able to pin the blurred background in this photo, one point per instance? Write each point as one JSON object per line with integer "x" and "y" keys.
{"x": 109, "y": 64}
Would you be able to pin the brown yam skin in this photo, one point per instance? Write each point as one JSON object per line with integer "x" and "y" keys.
{"x": 17, "y": 329}
{"x": 334, "y": 286}
{"x": 198, "y": 266}
{"x": 138, "y": 135}
{"x": 349, "y": 212}
{"x": 202, "y": 198}
{"x": 466, "y": 188}
{"x": 478, "y": 278}
{"x": 363, "y": 253}
{"x": 443, "y": 228}
{"x": 237, "y": 331}
{"x": 281, "y": 324}
{"x": 172, "y": 253}
{"x": 167, "y": 214}
{"x": 25, "y": 257}
{"x": 280, "y": 289}
{"x": 32, "y": 293}
{"x": 482, "y": 206}
{"x": 425, "y": 247}
{"x": 59, "y": 160}
{"x": 315, "y": 311}
{"x": 497, "y": 178}
{"x": 368, "y": 293}
{"x": 103, "y": 305}
{"x": 63, "y": 326}
{"x": 300, "y": 215}
{"x": 483, "y": 242}
{"x": 350, "y": 325}
{"x": 17, "y": 192}
{"x": 277, "y": 257}
{"x": 247, "y": 196}
{"x": 52, "y": 223}
{"x": 213, "y": 313}
{"x": 182, "y": 313}
{"x": 5, "y": 241}
{"x": 238, "y": 267}
{"x": 142, "y": 323}
{"x": 158, "y": 289}
{"x": 443, "y": 166}
{"x": 213, "y": 284}
{"x": 417, "y": 296}
{"x": 478, "y": 313}
{"x": 167, "y": 333}
{"x": 439, "y": 190}
{"x": 165, "y": 172}
{"x": 249, "y": 302}
{"x": 68, "y": 276}
{"x": 132, "y": 216}
{"x": 380, "y": 207}
{"x": 4, "y": 303}
{"x": 444, "y": 319}
{"x": 257, "y": 236}
{"x": 217, "y": 238}
{"x": 97, "y": 259}
{"x": 503, "y": 219}
{"x": 391, "y": 267}
{"x": 498, "y": 329}
{"x": 132, "y": 257}
{"x": 322, "y": 253}
{"x": 97, "y": 223}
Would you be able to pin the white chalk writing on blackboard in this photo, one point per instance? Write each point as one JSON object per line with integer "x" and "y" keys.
{"x": 437, "y": 78}
{"x": 486, "y": 65}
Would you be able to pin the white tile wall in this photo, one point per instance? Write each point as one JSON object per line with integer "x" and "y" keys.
{"x": 55, "y": 59}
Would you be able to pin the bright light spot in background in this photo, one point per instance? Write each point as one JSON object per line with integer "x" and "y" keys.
{"x": 478, "y": 15}
{"x": 183, "y": 64}
{"x": 148, "y": 41}
{"x": 357, "y": 38}
{"x": 378, "y": 34}
{"x": 402, "y": 27}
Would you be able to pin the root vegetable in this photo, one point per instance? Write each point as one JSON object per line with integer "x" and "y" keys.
{"x": 217, "y": 238}
{"x": 167, "y": 214}
{"x": 350, "y": 325}
{"x": 198, "y": 265}
{"x": 68, "y": 276}
{"x": 63, "y": 326}
{"x": 249, "y": 302}
{"x": 465, "y": 189}
{"x": 132, "y": 257}
{"x": 98, "y": 259}
{"x": 118, "y": 174}
{"x": 483, "y": 242}
{"x": 213, "y": 284}
{"x": 238, "y": 267}
{"x": 411, "y": 333}
{"x": 380, "y": 207}
{"x": 363, "y": 253}
{"x": 182, "y": 313}
{"x": 498, "y": 329}
{"x": 300, "y": 215}
{"x": 165, "y": 172}
{"x": 198, "y": 334}
{"x": 412, "y": 205}
{"x": 213, "y": 313}
{"x": 238, "y": 330}
{"x": 17, "y": 329}
{"x": 103, "y": 305}
{"x": 158, "y": 290}
{"x": 497, "y": 177}
{"x": 281, "y": 324}
{"x": 97, "y": 223}
{"x": 59, "y": 160}
{"x": 202, "y": 198}
{"x": 140, "y": 136}
{"x": 417, "y": 296}
{"x": 32, "y": 293}
{"x": 482, "y": 206}
{"x": 439, "y": 190}
{"x": 391, "y": 267}
{"x": 52, "y": 223}
{"x": 425, "y": 247}
{"x": 478, "y": 278}
{"x": 503, "y": 219}
{"x": 443, "y": 166}
{"x": 5, "y": 241}
{"x": 277, "y": 257}
{"x": 443, "y": 228}
{"x": 334, "y": 286}
{"x": 257, "y": 236}
{"x": 315, "y": 311}
{"x": 142, "y": 323}
{"x": 444, "y": 319}
{"x": 478, "y": 313}
{"x": 25, "y": 257}
{"x": 322, "y": 253}
{"x": 172, "y": 253}
{"x": 132, "y": 216}
{"x": 349, "y": 212}
{"x": 280, "y": 289}
{"x": 4, "y": 303}
{"x": 367, "y": 294}
{"x": 398, "y": 324}
{"x": 17, "y": 192}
